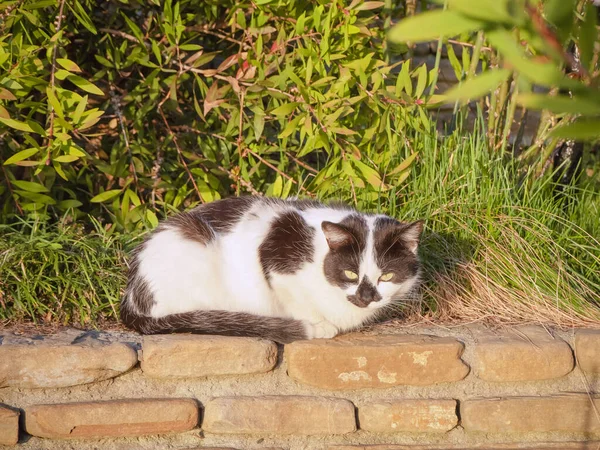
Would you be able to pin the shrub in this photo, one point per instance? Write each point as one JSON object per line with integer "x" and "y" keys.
{"x": 121, "y": 109}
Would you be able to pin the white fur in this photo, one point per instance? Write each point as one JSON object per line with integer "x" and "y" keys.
{"x": 226, "y": 274}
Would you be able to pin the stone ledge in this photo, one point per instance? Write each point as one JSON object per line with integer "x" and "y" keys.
{"x": 352, "y": 362}
{"x": 184, "y": 356}
{"x": 423, "y": 416}
{"x": 113, "y": 418}
{"x": 566, "y": 413}
{"x": 587, "y": 350}
{"x": 529, "y": 446}
{"x": 279, "y": 415}
{"x": 53, "y": 366}
{"x": 9, "y": 426}
{"x": 524, "y": 354}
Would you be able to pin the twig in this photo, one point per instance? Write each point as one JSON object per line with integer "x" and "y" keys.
{"x": 300, "y": 163}
{"x": 240, "y": 180}
{"x": 541, "y": 26}
{"x": 52, "y": 72}
{"x": 241, "y": 123}
{"x": 222, "y": 36}
{"x": 122, "y": 34}
{"x": 179, "y": 153}
{"x": 117, "y": 107}
{"x": 188, "y": 129}
{"x": 268, "y": 164}
{"x": 466, "y": 44}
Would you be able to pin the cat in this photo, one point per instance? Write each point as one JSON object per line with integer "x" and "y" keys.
{"x": 283, "y": 270}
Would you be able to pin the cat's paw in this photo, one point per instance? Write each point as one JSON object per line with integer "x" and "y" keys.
{"x": 320, "y": 330}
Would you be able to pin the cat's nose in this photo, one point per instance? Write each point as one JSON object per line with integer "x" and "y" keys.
{"x": 367, "y": 292}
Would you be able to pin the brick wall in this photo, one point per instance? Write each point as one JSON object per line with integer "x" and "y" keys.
{"x": 389, "y": 388}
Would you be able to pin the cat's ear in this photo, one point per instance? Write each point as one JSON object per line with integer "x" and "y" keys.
{"x": 411, "y": 235}
{"x": 337, "y": 235}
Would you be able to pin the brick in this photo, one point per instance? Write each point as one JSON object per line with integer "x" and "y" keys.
{"x": 429, "y": 416}
{"x": 52, "y": 366}
{"x": 526, "y": 355}
{"x": 9, "y": 426}
{"x": 587, "y": 350}
{"x": 566, "y": 413}
{"x": 358, "y": 362}
{"x": 183, "y": 356}
{"x": 279, "y": 415}
{"x": 111, "y": 418}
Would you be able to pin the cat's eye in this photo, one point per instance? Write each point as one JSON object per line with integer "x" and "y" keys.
{"x": 350, "y": 275}
{"x": 386, "y": 276}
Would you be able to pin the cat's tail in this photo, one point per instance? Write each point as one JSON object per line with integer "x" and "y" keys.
{"x": 217, "y": 322}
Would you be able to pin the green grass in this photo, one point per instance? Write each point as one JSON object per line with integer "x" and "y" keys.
{"x": 60, "y": 273}
{"x": 500, "y": 246}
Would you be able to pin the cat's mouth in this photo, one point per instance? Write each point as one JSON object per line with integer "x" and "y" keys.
{"x": 361, "y": 302}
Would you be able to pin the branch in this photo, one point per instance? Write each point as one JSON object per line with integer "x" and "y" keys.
{"x": 52, "y": 78}
{"x": 179, "y": 153}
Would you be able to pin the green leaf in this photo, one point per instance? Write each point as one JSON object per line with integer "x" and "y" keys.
{"x": 478, "y": 86}
{"x": 421, "y": 80}
{"x": 285, "y": 109}
{"x": 488, "y": 10}
{"x": 582, "y": 129}
{"x": 151, "y": 217}
{"x": 37, "y": 197}
{"x": 546, "y": 74}
{"x": 20, "y": 156}
{"x": 76, "y": 116}
{"x": 61, "y": 74}
{"x": 404, "y": 164}
{"x": 369, "y": 173}
{"x": 30, "y": 186}
{"x": 54, "y": 102}
{"x": 106, "y": 195}
{"x": 66, "y": 158}
{"x": 91, "y": 118}
{"x": 21, "y": 126}
{"x": 290, "y": 127}
{"x": 560, "y": 13}
{"x": 259, "y": 124}
{"x": 84, "y": 84}
{"x": 588, "y": 35}
{"x": 67, "y": 204}
{"x": 369, "y": 5}
{"x": 68, "y": 64}
{"x": 559, "y": 104}
{"x": 431, "y": 25}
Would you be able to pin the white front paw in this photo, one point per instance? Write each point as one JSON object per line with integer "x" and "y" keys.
{"x": 320, "y": 330}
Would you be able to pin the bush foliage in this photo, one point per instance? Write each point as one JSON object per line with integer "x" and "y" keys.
{"x": 118, "y": 109}
{"x": 122, "y": 110}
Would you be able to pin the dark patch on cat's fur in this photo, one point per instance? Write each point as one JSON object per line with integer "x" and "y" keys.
{"x": 137, "y": 290}
{"x": 288, "y": 245}
{"x": 346, "y": 257}
{"x": 202, "y": 223}
{"x": 218, "y": 322}
{"x": 223, "y": 215}
{"x": 392, "y": 241}
{"x": 365, "y": 294}
{"x": 191, "y": 225}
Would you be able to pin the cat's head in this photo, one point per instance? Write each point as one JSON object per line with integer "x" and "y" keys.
{"x": 372, "y": 258}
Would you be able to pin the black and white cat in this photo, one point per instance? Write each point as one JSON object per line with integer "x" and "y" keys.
{"x": 279, "y": 269}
